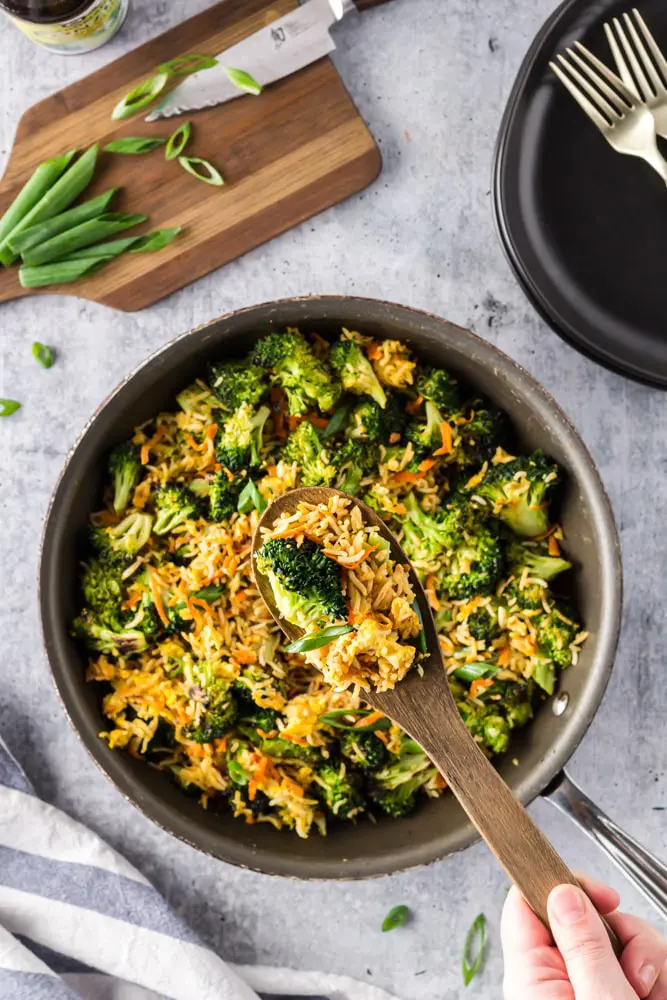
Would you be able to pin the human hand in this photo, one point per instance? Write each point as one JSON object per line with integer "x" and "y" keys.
{"x": 583, "y": 965}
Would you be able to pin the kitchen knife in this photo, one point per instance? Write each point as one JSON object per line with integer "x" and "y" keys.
{"x": 281, "y": 48}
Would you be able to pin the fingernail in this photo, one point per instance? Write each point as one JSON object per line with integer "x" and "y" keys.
{"x": 566, "y": 905}
{"x": 647, "y": 976}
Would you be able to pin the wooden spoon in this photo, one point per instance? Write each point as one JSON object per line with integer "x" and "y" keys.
{"x": 425, "y": 708}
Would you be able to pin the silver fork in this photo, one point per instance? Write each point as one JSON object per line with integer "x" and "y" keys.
{"x": 647, "y": 75}
{"x": 621, "y": 116}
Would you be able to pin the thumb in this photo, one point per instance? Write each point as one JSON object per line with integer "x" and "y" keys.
{"x": 583, "y": 942}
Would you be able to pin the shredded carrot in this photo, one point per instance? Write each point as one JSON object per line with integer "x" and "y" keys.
{"x": 553, "y": 546}
{"x": 407, "y": 477}
{"x": 146, "y": 449}
{"x": 427, "y": 464}
{"x": 106, "y": 517}
{"x": 221, "y": 744}
{"x": 430, "y": 592}
{"x": 243, "y": 655}
{"x": 368, "y": 720}
{"x": 400, "y": 508}
{"x": 293, "y": 422}
{"x": 503, "y": 656}
{"x": 272, "y": 470}
{"x": 447, "y": 443}
{"x": 295, "y": 739}
{"x": 292, "y": 787}
{"x": 357, "y": 562}
{"x": 157, "y": 596}
{"x": 211, "y": 431}
{"x": 252, "y": 789}
{"x": 193, "y": 444}
{"x": 414, "y": 404}
{"x": 481, "y": 684}
{"x": 382, "y": 736}
{"x": 374, "y": 351}
{"x": 316, "y": 420}
{"x": 131, "y": 601}
{"x": 439, "y": 781}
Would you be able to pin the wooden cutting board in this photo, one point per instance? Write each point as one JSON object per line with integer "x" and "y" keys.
{"x": 297, "y": 149}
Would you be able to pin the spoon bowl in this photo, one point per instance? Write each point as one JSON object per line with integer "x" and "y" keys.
{"x": 422, "y": 704}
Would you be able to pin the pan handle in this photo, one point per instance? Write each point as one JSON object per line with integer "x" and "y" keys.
{"x": 642, "y": 868}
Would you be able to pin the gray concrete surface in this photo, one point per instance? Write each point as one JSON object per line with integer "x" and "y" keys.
{"x": 423, "y": 234}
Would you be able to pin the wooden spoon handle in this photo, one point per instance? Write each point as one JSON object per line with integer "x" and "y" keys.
{"x": 522, "y": 849}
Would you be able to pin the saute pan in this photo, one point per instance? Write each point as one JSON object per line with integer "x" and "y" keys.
{"x": 439, "y": 827}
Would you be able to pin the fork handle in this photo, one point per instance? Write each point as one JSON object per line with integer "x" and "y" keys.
{"x": 656, "y": 160}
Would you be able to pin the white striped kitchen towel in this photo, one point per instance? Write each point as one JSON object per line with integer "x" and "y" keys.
{"x": 78, "y": 922}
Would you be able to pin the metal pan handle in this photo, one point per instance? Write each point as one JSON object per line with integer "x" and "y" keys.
{"x": 642, "y": 868}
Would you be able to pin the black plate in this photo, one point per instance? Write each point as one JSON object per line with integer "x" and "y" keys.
{"x": 584, "y": 228}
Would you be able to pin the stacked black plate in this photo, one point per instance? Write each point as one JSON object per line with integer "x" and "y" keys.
{"x": 584, "y": 228}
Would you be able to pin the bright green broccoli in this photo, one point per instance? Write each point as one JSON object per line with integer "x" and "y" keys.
{"x": 124, "y": 469}
{"x": 130, "y": 536}
{"x": 395, "y": 787}
{"x": 555, "y": 634}
{"x": 536, "y": 560}
{"x": 518, "y": 492}
{"x": 102, "y": 588}
{"x": 239, "y": 441}
{"x": 483, "y": 623}
{"x": 365, "y": 750}
{"x": 305, "y": 447}
{"x": 340, "y": 790}
{"x": 519, "y": 715}
{"x": 355, "y": 460}
{"x": 475, "y": 566}
{"x": 441, "y": 389}
{"x": 483, "y": 431}
{"x": 237, "y": 382}
{"x": 428, "y": 536}
{"x": 370, "y": 421}
{"x": 295, "y": 368}
{"x": 307, "y": 584}
{"x": 496, "y": 732}
{"x": 355, "y": 371}
{"x": 284, "y": 749}
{"x": 249, "y": 711}
{"x": 223, "y": 496}
{"x": 173, "y": 505}
{"x": 427, "y": 437}
{"x": 217, "y": 719}
{"x": 530, "y": 597}
{"x": 117, "y": 642}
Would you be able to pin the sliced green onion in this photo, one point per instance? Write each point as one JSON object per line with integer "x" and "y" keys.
{"x": 133, "y": 145}
{"x": 335, "y": 720}
{"x": 58, "y": 274}
{"x": 32, "y": 192}
{"x": 244, "y": 81}
{"x": 142, "y": 95}
{"x": 44, "y": 231}
{"x": 421, "y": 638}
{"x": 104, "y": 251}
{"x": 156, "y": 240}
{"x": 178, "y": 141}
{"x": 338, "y": 420}
{"x": 476, "y": 935}
{"x": 315, "y": 640}
{"x": 184, "y": 65}
{"x": 473, "y": 671}
{"x": 250, "y": 499}
{"x": 237, "y": 773}
{"x": 66, "y": 189}
{"x": 9, "y": 406}
{"x": 395, "y": 918}
{"x": 545, "y": 675}
{"x": 212, "y": 176}
{"x": 88, "y": 233}
{"x": 42, "y": 354}
{"x": 209, "y": 594}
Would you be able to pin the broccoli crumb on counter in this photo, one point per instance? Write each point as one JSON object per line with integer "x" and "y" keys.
{"x": 195, "y": 676}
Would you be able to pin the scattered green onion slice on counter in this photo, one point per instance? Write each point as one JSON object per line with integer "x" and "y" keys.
{"x": 184, "y": 65}
{"x": 316, "y": 640}
{"x": 244, "y": 81}
{"x": 43, "y": 178}
{"x": 44, "y": 231}
{"x": 42, "y": 354}
{"x": 336, "y": 719}
{"x": 250, "y": 498}
{"x": 178, "y": 141}
{"x": 133, "y": 145}
{"x": 60, "y": 273}
{"x": 395, "y": 918}
{"x": 338, "y": 419}
{"x": 211, "y": 175}
{"x": 142, "y": 95}
{"x": 156, "y": 240}
{"x": 473, "y": 671}
{"x": 237, "y": 772}
{"x": 476, "y": 934}
{"x": 9, "y": 406}
{"x": 88, "y": 233}
{"x": 60, "y": 196}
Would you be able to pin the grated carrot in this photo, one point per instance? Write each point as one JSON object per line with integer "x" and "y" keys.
{"x": 400, "y": 508}
{"x": 368, "y": 720}
{"x": 292, "y": 787}
{"x": 243, "y": 655}
{"x": 293, "y": 421}
{"x": 316, "y": 420}
{"x": 157, "y": 596}
{"x": 382, "y": 736}
{"x": 414, "y": 405}
{"x": 357, "y": 562}
{"x": 481, "y": 684}
{"x": 553, "y": 548}
{"x": 105, "y": 517}
{"x": 447, "y": 443}
{"x": 503, "y": 656}
{"x": 427, "y": 464}
{"x": 430, "y": 592}
{"x": 150, "y": 444}
{"x": 374, "y": 351}
{"x": 272, "y": 470}
{"x": 299, "y": 740}
{"x": 131, "y": 601}
{"x": 407, "y": 477}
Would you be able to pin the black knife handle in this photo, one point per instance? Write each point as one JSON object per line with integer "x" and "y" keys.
{"x": 367, "y": 4}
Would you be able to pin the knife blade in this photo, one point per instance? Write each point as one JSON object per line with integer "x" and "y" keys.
{"x": 283, "y": 47}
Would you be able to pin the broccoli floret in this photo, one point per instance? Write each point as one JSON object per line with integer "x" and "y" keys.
{"x": 313, "y": 460}
{"x": 262, "y": 718}
{"x": 483, "y": 624}
{"x": 355, "y": 460}
{"x": 216, "y": 720}
{"x": 483, "y": 431}
{"x": 496, "y": 732}
{"x": 286, "y": 750}
{"x": 306, "y": 380}
{"x": 373, "y": 423}
{"x": 106, "y": 640}
{"x": 519, "y": 715}
{"x": 518, "y": 492}
{"x": 441, "y": 389}
{"x": 355, "y": 371}
{"x": 475, "y": 566}
{"x": 340, "y": 790}
{"x": 427, "y": 536}
{"x": 365, "y": 750}
{"x": 102, "y": 588}
{"x": 537, "y": 560}
{"x": 395, "y": 787}
{"x": 223, "y": 496}
{"x": 149, "y": 621}
{"x": 306, "y": 583}
{"x": 237, "y": 382}
{"x": 124, "y": 469}
{"x": 133, "y": 532}
{"x": 427, "y": 437}
{"x": 173, "y": 506}
{"x": 555, "y": 634}
{"x": 530, "y": 597}
{"x": 239, "y": 442}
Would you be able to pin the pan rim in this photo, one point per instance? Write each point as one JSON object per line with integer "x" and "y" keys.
{"x": 270, "y": 861}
